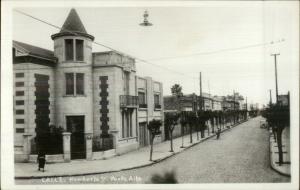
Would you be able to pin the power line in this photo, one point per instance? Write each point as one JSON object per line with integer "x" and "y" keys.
{"x": 103, "y": 45}
{"x": 218, "y": 51}
{"x": 139, "y": 60}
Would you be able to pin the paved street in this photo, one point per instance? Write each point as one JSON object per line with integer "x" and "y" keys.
{"x": 241, "y": 155}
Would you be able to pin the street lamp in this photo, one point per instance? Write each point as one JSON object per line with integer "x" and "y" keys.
{"x": 146, "y": 22}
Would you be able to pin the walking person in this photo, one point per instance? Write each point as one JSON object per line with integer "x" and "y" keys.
{"x": 41, "y": 159}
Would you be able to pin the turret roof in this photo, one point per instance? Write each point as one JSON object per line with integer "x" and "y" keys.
{"x": 73, "y": 26}
{"x": 73, "y": 23}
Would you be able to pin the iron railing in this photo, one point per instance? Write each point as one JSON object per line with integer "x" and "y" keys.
{"x": 157, "y": 106}
{"x": 129, "y": 101}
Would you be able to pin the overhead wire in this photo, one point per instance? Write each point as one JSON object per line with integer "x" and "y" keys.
{"x": 103, "y": 45}
{"x": 139, "y": 60}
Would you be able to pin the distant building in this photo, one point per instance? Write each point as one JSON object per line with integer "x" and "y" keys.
{"x": 230, "y": 102}
{"x": 187, "y": 102}
{"x": 217, "y": 103}
{"x": 207, "y": 101}
{"x": 283, "y": 100}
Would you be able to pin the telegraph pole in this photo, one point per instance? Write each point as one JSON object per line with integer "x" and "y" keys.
{"x": 275, "y": 56}
{"x": 200, "y": 102}
{"x": 270, "y": 97}
{"x": 233, "y": 100}
{"x": 234, "y": 117}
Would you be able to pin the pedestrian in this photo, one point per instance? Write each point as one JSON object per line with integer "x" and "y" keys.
{"x": 41, "y": 159}
{"x": 218, "y": 133}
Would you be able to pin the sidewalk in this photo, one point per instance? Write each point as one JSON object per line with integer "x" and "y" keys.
{"x": 284, "y": 169}
{"x": 131, "y": 160}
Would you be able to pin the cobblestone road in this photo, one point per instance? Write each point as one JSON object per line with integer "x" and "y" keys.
{"x": 240, "y": 155}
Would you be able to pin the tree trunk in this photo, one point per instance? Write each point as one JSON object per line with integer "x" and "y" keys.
{"x": 274, "y": 132}
{"x": 182, "y": 136}
{"x": 171, "y": 140}
{"x": 213, "y": 125}
{"x": 151, "y": 145}
{"x": 202, "y": 134}
{"x": 208, "y": 132}
{"x": 279, "y": 143}
{"x": 191, "y": 134}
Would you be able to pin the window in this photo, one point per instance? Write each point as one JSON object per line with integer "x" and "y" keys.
{"x": 79, "y": 50}
{"x": 142, "y": 100}
{"x": 19, "y": 75}
{"x": 69, "y": 83}
{"x": 19, "y": 102}
{"x": 69, "y": 49}
{"x": 79, "y": 84}
{"x": 20, "y": 121}
{"x": 19, "y": 112}
{"x": 19, "y": 93}
{"x": 74, "y": 52}
{"x": 126, "y": 82}
{"x": 157, "y": 101}
{"x": 74, "y": 84}
{"x": 20, "y": 130}
{"x": 126, "y": 124}
{"x": 19, "y": 84}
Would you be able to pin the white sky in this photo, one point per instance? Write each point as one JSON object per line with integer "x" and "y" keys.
{"x": 186, "y": 30}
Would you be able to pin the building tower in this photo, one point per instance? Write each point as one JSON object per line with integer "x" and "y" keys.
{"x": 73, "y": 85}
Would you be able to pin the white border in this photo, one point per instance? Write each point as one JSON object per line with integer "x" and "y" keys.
{"x": 7, "y": 161}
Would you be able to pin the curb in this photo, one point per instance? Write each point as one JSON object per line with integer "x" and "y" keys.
{"x": 130, "y": 168}
{"x": 272, "y": 163}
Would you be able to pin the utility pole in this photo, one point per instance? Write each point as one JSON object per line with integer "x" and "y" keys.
{"x": 233, "y": 100}
{"x": 270, "y": 97}
{"x": 246, "y": 104}
{"x": 275, "y": 56}
{"x": 200, "y": 102}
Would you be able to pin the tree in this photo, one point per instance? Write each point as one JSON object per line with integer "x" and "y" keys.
{"x": 279, "y": 118}
{"x": 203, "y": 116}
{"x": 171, "y": 120}
{"x": 176, "y": 91}
{"x": 192, "y": 121}
{"x": 49, "y": 139}
{"x": 183, "y": 123}
{"x": 154, "y": 129}
{"x": 213, "y": 120}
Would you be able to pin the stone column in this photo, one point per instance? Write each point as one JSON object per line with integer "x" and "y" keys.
{"x": 89, "y": 145}
{"x": 66, "y": 146}
{"x": 26, "y": 146}
{"x": 114, "y": 133}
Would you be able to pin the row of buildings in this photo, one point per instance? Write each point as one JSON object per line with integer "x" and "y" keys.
{"x": 190, "y": 102}
{"x": 97, "y": 98}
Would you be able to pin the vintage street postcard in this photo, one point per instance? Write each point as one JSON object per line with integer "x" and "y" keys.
{"x": 150, "y": 95}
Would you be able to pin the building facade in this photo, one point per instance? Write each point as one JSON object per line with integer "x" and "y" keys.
{"x": 150, "y": 95}
{"x": 217, "y": 103}
{"x": 92, "y": 96}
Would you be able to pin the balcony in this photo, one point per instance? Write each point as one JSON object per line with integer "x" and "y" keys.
{"x": 157, "y": 106}
{"x": 143, "y": 105}
{"x": 127, "y": 101}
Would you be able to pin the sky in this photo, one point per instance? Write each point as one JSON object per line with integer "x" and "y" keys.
{"x": 179, "y": 31}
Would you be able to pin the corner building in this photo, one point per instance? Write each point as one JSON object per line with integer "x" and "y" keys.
{"x": 92, "y": 96}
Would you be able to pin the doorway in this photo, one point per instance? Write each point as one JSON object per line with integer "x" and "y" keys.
{"x": 75, "y": 125}
{"x": 143, "y": 134}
